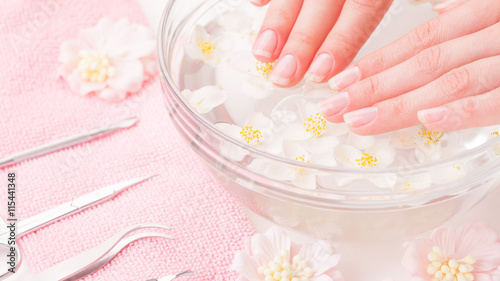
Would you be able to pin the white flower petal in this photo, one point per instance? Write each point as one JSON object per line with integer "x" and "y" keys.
{"x": 81, "y": 87}
{"x": 383, "y": 152}
{"x": 428, "y": 152}
{"x": 292, "y": 150}
{"x": 321, "y": 144}
{"x": 361, "y": 142}
{"x": 347, "y": 155}
{"x": 257, "y": 88}
{"x": 230, "y": 129}
{"x": 245, "y": 265}
{"x": 273, "y": 146}
{"x": 206, "y": 98}
{"x": 69, "y": 52}
{"x": 320, "y": 256}
{"x": 129, "y": 76}
{"x": 295, "y": 132}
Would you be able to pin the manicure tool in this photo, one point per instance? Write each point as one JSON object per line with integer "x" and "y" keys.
{"x": 173, "y": 276}
{"x": 87, "y": 262}
{"x": 52, "y": 215}
{"x": 66, "y": 142}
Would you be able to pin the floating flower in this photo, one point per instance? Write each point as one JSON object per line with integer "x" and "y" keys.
{"x": 470, "y": 253}
{"x": 272, "y": 256}
{"x": 206, "y": 98}
{"x": 110, "y": 59}
{"x": 316, "y": 134}
{"x": 257, "y": 132}
{"x": 379, "y": 155}
{"x": 209, "y": 50}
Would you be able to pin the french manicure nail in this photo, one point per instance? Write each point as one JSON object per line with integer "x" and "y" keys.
{"x": 334, "y": 105}
{"x": 345, "y": 78}
{"x": 284, "y": 70}
{"x": 361, "y": 117}
{"x": 433, "y": 115}
{"x": 266, "y": 44}
{"x": 321, "y": 66}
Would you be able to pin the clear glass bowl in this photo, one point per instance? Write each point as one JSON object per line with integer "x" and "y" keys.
{"x": 342, "y": 214}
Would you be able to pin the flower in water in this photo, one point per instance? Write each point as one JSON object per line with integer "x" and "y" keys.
{"x": 110, "y": 59}
{"x": 202, "y": 47}
{"x": 272, "y": 256}
{"x": 206, "y": 98}
{"x": 257, "y": 132}
{"x": 470, "y": 253}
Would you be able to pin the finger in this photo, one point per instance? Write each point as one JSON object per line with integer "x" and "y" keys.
{"x": 358, "y": 20}
{"x": 414, "y": 73}
{"x": 315, "y": 20}
{"x": 260, "y": 3}
{"x": 473, "y": 79}
{"x": 475, "y": 111}
{"x": 456, "y": 23}
{"x": 276, "y": 28}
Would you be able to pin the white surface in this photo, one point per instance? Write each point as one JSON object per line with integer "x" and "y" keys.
{"x": 379, "y": 260}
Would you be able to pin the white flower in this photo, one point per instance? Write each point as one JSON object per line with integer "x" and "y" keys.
{"x": 256, "y": 83}
{"x": 380, "y": 155}
{"x": 427, "y": 144}
{"x": 110, "y": 59}
{"x": 210, "y": 50}
{"x": 272, "y": 256}
{"x": 256, "y": 132}
{"x": 300, "y": 177}
{"x": 450, "y": 173}
{"x": 206, "y": 98}
{"x": 316, "y": 134}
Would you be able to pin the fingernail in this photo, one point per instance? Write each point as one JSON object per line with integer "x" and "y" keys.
{"x": 266, "y": 44}
{"x": 284, "y": 70}
{"x": 433, "y": 115}
{"x": 345, "y": 78}
{"x": 334, "y": 105}
{"x": 447, "y": 5}
{"x": 320, "y": 68}
{"x": 361, "y": 117}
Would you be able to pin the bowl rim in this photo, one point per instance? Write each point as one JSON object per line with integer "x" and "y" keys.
{"x": 415, "y": 169}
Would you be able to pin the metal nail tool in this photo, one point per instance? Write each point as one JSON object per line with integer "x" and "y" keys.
{"x": 43, "y": 219}
{"x": 66, "y": 142}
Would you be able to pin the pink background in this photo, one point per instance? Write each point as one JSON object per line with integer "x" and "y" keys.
{"x": 36, "y": 107}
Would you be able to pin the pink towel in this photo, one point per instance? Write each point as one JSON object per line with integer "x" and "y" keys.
{"x": 37, "y": 107}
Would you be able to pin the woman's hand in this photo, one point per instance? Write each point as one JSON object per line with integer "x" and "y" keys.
{"x": 326, "y": 33}
{"x": 444, "y": 74}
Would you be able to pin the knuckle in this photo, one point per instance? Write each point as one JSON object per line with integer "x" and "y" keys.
{"x": 455, "y": 83}
{"x": 424, "y": 35}
{"x": 372, "y": 88}
{"x": 430, "y": 60}
{"x": 378, "y": 60}
{"x": 400, "y": 106}
{"x": 302, "y": 38}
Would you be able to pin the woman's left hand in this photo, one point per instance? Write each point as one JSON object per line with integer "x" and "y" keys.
{"x": 445, "y": 74}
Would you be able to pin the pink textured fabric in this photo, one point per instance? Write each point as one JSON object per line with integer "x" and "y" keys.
{"x": 36, "y": 107}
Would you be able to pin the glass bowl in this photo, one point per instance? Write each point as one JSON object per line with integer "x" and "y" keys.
{"x": 333, "y": 213}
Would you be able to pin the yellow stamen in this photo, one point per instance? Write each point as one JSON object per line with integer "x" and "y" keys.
{"x": 315, "y": 124}
{"x": 495, "y": 134}
{"x": 284, "y": 268}
{"x": 95, "y": 67}
{"x": 367, "y": 161}
{"x": 430, "y": 136}
{"x": 265, "y": 68}
{"x": 207, "y": 48}
{"x": 442, "y": 268}
{"x": 250, "y": 135}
